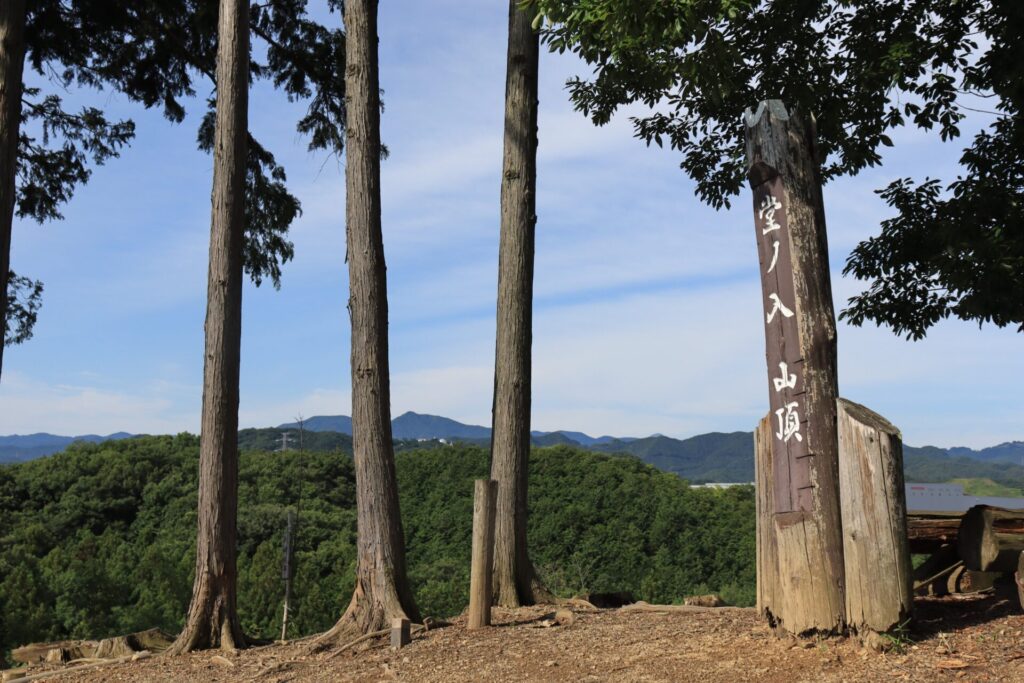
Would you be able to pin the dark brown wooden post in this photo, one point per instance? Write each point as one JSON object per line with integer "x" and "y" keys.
{"x": 800, "y": 335}
{"x": 485, "y": 504}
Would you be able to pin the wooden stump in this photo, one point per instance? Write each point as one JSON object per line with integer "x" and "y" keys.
{"x": 991, "y": 538}
{"x": 879, "y": 583}
{"x": 485, "y": 500}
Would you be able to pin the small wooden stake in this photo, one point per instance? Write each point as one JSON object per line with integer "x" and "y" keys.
{"x": 485, "y": 500}
{"x": 400, "y": 633}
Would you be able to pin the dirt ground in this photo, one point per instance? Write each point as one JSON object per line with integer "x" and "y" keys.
{"x": 953, "y": 639}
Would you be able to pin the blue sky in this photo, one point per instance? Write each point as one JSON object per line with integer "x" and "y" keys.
{"x": 647, "y": 311}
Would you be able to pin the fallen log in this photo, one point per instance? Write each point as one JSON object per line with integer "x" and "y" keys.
{"x": 153, "y": 640}
{"x": 77, "y": 669}
{"x": 927, "y": 533}
{"x": 642, "y": 606}
{"x": 60, "y": 651}
{"x": 991, "y": 539}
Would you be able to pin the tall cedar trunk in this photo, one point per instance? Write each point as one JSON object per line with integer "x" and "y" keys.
{"x": 382, "y": 590}
{"x": 515, "y": 582}
{"x": 213, "y": 615}
{"x": 12, "y": 63}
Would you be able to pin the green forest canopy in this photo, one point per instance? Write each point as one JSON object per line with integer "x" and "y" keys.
{"x": 99, "y": 540}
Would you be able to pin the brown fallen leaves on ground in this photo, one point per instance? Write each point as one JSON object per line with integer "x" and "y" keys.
{"x": 980, "y": 639}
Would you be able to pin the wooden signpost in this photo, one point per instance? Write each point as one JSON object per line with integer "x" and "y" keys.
{"x": 832, "y": 548}
{"x": 798, "y": 459}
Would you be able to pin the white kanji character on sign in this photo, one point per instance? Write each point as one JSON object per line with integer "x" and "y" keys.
{"x": 787, "y": 381}
{"x": 775, "y": 255}
{"x": 767, "y": 212}
{"x": 778, "y": 308}
{"x": 789, "y": 422}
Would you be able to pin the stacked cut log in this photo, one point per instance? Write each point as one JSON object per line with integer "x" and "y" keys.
{"x": 927, "y": 533}
{"x": 991, "y": 539}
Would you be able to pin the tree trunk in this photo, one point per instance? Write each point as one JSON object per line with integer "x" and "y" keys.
{"x": 515, "y": 582}
{"x": 12, "y": 63}
{"x": 800, "y": 333}
{"x": 382, "y": 590}
{"x": 213, "y": 615}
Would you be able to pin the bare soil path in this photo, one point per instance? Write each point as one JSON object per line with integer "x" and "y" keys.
{"x": 954, "y": 639}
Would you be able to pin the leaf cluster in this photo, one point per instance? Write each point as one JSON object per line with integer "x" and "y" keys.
{"x": 699, "y": 64}
{"x": 158, "y": 53}
{"x": 24, "y": 299}
{"x": 863, "y": 68}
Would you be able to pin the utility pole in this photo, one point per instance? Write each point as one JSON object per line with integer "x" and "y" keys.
{"x": 284, "y": 441}
{"x": 301, "y": 422}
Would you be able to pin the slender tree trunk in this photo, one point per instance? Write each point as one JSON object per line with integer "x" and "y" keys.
{"x": 12, "y": 63}
{"x": 213, "y": 615}
{"x": 515, "y": 582}
{"x": 382, "y": 590}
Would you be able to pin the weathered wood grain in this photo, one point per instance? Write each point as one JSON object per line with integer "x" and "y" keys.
{"x": 876, "y": 554}
{"x": 485, "y": 500}
{"x": 800, "y": 341}
{"x": 991, "y": 538}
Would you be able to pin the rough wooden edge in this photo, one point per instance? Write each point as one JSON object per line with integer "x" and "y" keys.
{"x": 867, "y": 416}
{"x": 751, "y": 117}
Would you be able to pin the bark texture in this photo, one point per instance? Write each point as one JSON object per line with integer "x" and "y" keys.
{"x": 12, "y": 64}
{"x": 213, "y": 615}
{"x": 515, "y": 582}
{"x": 382, "y": 590}
{"x": 810, "y": 599}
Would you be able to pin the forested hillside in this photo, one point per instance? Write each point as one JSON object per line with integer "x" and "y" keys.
{"x": 100, "y": 539}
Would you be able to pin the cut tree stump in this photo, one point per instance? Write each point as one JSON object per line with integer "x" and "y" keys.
{"x": 65, "y": 650}
{"x": 876, "y": 555}
{"x": 991, "y": 538}
{"x": 152, "y": 640}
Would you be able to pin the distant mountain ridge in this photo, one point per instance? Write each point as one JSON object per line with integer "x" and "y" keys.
{"x": 21, "y": 447}
{"x": 715, "y": 456}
